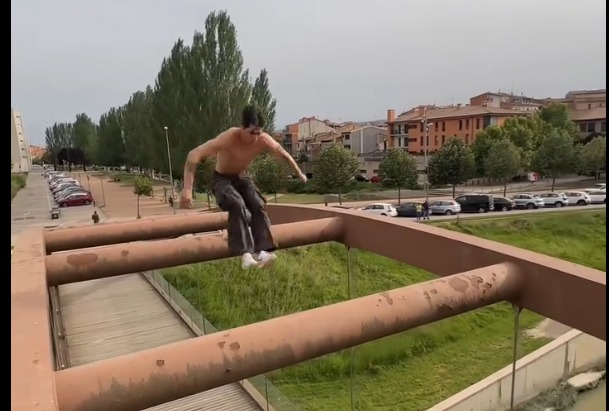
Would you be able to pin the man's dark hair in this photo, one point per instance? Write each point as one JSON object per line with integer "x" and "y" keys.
{"x": 251, "y": 116}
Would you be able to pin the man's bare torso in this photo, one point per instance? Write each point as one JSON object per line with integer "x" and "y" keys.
{"x": 236, "y": 155}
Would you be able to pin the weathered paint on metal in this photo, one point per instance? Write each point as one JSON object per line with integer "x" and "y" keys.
{"x": 32, "y": 366}
{"x": 146, "y": 229}
{"x": 147, "y": 378}
{"x": 89, "y": 264}
{"x": 555, "y": 288}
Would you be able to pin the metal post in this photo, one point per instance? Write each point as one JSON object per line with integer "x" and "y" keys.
{"x": 101, "y": 179}
{"x": 426, "y": 158}
{"x": 352, "y": 349}
{"x": 170, "y": 172}
{"x": 517, "y": 311}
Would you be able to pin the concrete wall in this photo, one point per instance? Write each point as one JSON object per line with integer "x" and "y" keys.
{"x": 366, "y": 139}
{"x": 538, "y": 371}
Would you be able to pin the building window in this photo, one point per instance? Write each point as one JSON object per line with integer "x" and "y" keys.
{"x": 427, "y": 141}
{"x": 583, "y": 127}
{"x": 591, "y": 127}
{"x": 603, "y": 126}
{"x": 435, "y": 140}
{"x": 467, "y": 124}
{"x": 443, "y": 139}
{"x": 436, "y": 126}
{"x": 460, "y": 124}
{"x": 421, "y": 140}
{"x": 477, "y": 123}
{"x": 444, "y": 126}
{"x": 467, "y": 139}
{"x": 421, "y": 126}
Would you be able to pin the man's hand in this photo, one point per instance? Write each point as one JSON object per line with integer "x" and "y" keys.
{"x": 186, "y": 200}
{"x": 302, "y": 177}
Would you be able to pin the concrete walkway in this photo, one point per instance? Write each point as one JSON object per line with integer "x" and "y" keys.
{"x": 32, "y": 205}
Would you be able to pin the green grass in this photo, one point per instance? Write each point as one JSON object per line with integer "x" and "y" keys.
{"x": 17, "y": 183}
{"x": 409, "y": 371}
{"x": 579, "y": 237}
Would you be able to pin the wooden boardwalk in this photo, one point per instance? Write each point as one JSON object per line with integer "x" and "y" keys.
{"x": 119, "y": 315}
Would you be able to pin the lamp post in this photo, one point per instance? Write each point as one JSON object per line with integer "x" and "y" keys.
{"x": 426, "y": 126}
{"x": 173, "y": 207}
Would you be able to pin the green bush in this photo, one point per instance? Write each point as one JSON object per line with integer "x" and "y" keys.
{"x": 18, "y": 182}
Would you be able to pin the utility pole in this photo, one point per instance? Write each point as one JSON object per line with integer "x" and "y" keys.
{"x": 173, "y": 205}
{"x": 426, "y": 156}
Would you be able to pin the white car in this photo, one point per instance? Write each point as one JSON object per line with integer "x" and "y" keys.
{"x": 579, "y": 198}
{"x": 597, "y": 196}
{"x": 599, "y": 186}
{"x": 382, "y": 209}
{"x": 554, "y": 199}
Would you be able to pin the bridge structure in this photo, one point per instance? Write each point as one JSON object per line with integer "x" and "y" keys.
{"x": 472, "y": 273}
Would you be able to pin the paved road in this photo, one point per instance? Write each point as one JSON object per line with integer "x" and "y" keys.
{"x": 32, "y": 204}
{"x": 508, "y": 214}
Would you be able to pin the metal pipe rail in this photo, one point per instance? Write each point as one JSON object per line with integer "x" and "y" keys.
{"x": 83, "y": 265}
{"x": 151, "y": 377}
{"x": 64, "y": 239}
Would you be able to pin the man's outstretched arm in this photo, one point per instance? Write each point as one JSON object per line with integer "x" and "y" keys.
{"x": 194, "y": 158}
{"x": 275, "y": 148}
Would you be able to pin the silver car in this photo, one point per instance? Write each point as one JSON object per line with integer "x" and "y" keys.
{"x": 528, "y": 201}
{"x": 444, "y": 207}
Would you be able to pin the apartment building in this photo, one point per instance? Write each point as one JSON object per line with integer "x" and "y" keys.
{"x": 300, "y": 136}
{"x": 20, "y": 147}
{"x": 587, "y": 109}
{"x": 508, "y": 101}
{"x": 407, "y": 130}
{"x": 360, "y": 139}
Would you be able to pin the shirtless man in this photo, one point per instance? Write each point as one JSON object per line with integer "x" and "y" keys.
{"x": 234, "y": 190}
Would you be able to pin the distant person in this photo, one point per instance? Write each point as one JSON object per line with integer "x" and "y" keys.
{"x": 426, "y": 210}
{"x": 234, "y": 190}
{"x": 419, "y": 210}
{"x": 95, "y": 217}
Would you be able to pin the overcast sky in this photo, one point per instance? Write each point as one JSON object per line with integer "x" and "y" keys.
{"x": 337, "y": 59}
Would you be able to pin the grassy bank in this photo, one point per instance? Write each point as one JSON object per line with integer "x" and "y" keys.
{"x": 410, "y": 371}
{"x": 17, "y": 183}
{"x": 576, "y": 237}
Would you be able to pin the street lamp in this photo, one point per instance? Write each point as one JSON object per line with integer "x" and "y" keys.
{"x": 426, "y": 126}
{"x": 170, "y": 172}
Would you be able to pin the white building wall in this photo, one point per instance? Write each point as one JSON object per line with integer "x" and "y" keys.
{"x": 20, "y": 147}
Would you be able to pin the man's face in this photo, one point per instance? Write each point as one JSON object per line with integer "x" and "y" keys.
{"x": 250, "y": 134}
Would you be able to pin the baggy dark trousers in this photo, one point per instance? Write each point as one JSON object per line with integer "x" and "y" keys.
{"x": 237, "y": 195}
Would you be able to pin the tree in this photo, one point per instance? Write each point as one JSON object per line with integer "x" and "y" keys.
{"x": 482, "y": 145}
{"x": 84, "y": 138}
{"x": 142, "y": 187}
{"x": 111, "y": 148}
{"x": 594, "y": 155}
{"x": 263, "y": 99}
{"x": 556, "y": 155}
{"x": 136, "y": 129}
{"x": 502, "y": 162}
{"x": 398, "y": 170}
{"x": 453, "y": 164}
{"x": 334, "y": 168}
{"x": 53, "y": 144}
{"x": 268, "y": 174}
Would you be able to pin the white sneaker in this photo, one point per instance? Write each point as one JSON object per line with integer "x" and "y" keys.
{"x": 266, "y": 259}
{"x": 248, "y": 261}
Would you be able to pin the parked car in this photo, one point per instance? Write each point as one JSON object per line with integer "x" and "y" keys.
{"x": 528, "y": 201}
{"x": 579, "y": 198}
{"x": 361, "y": 178}
{"x": 554, "y": 199}
{"x": 476, "y": 203}
{"x": 599, "y": 186}
{"x": 68, "y": 191}
{"x": 77, "y": 199}
{"x": 382, "y": 209}
{"x": 444, "y": 207}
{"x": 375, "y": 179}
{"x": 597, "y": 196}
{"x": 503, "y": 204}
{"x": 407, "y": 210}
